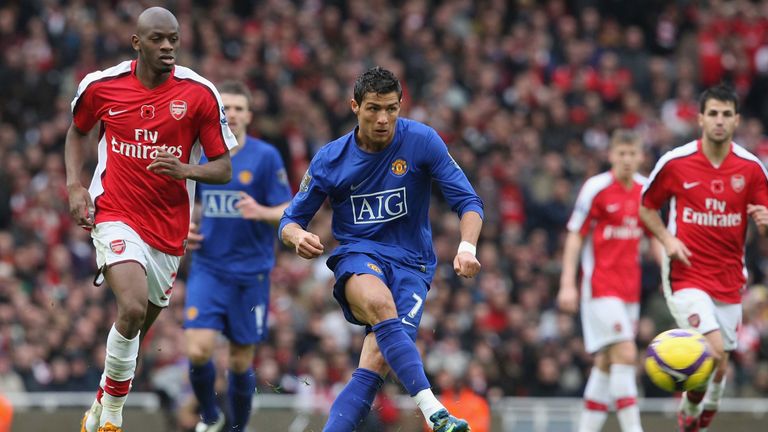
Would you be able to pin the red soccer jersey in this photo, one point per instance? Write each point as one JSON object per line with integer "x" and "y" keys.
{"x": 179, "y": 116}
{"x": 708, "y": 213}
{"x": 606, "y": 214}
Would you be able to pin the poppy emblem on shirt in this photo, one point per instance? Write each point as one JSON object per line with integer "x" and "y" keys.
{"x": 245, "y": 177}
{"x": 738, "y": 182}
{"x": 117, "y": 246}
{"x": 192, "y": 313}
{"x": 374, "y": 267}
{"x": 147, "y": 112}
{"x": 694, "y": 320}
{"x": 399, "y": 167}
{"x": 717, "y": 186}
{"x": 178, "y": 109}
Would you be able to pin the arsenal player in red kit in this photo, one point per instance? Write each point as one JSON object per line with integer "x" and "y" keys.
{"x": 156, "y": 118}
{"x": 605, "y": 228}
{"x": 712, "y": 186}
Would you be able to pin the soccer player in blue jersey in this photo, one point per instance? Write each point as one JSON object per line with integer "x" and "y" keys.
{"x": 228, "y": 285}
{"x": 378, "y": 179}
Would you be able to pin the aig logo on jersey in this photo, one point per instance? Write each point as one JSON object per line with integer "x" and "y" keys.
{"x": 379, "y": 207}
{"x": 221, "y": 203}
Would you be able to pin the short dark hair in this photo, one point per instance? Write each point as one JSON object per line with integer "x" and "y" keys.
{"x": 377, "y": 80}
{"x": 236, "y": 88}
{"x": 721, "y": 92}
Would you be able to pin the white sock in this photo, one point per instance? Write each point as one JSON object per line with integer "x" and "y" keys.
{"x": 596, "y": 400}
{"x": 428, "y": 404}
{"x": 119, "y": 368}
{"x": 624, "y": 392}
{"x": 714, "y": 393}
{"x": 94, "y": 413}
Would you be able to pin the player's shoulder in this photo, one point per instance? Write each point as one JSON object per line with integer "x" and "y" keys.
{"x": 415, "y": 129}
{"x": 640, "y": 179}
{"x": 745, "y": 155}
{"x": 259, "y": 147}
{"x": 117, "y": 71}
{"x": 679, "y": 153}
{"x": 597, "y": 183}
{"x": 184, "y": 73}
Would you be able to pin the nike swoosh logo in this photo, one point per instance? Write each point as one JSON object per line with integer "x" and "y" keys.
{"x": 690, "y": 185}
{"x": 354, "y": 187}
{"x": 113, "y": 113}
{"x": 408, "y": 323}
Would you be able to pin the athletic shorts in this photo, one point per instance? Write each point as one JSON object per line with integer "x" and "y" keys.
{"x": 694, "y": 309}
{"x": 409, "y": 290}
{"x": 236, "y": 308}
{"x": 116, "y": 242}
{"x": 608, "y": 320}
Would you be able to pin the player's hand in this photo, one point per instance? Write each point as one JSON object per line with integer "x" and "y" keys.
{"x": 250, "y": 209}
{"x": 466, "y": 265}
{"x": 677, "y": 250}
{"x": 568, "y": 298}
{"x": 168, "y": 164}
{"x": 759, "y": 214}
{"x": 194, "y": 238}
{"x": 308, "y": 245}
{"x": 81, "y": 206}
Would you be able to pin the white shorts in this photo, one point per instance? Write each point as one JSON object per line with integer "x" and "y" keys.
{"x": 116, "y": 242}
{"x": 608, "y": 320}
{"x": 694, "y": 309}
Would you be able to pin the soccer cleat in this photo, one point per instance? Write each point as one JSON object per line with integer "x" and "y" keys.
{"x": 217, "y": 426}
{"x": 444, "y": 422}
{"x": 687, "y": 423}
{"x": 109, "y": 427}
{"x": 94, "y": 411}
{"x": 705, "y": 419}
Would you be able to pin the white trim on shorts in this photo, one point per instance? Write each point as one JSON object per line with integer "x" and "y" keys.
{"x": 608, "y": 320}
{"x": 116, "y": 242}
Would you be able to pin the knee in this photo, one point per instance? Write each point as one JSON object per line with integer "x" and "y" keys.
{"x": 379, "y": 308}
{"x": 624, "y": 353}
{"x": 375, "y": 362}
{"x": 198, "y": 352}
{"x": 240, "y": 357}
{"x": 133, "y": 314}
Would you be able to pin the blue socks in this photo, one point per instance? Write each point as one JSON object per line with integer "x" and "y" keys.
{"x": 354, "y": 402}
{"x": 401, "y": 354}
{"x": 203, "y": 379}
{"x": 241, "y": 389}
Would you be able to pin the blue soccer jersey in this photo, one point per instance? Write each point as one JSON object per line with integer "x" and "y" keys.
{"x": 381, "y": 200}
{"x": 231, "y": 244}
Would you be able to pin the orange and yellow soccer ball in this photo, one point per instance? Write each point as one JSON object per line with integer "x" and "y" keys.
{"x": 678, "y": 360}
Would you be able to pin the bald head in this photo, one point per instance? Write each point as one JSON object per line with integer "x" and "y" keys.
{"x": 154, "y": 18}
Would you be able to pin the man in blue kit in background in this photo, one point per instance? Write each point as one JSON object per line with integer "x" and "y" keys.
{"x": 228, "y": 285}
{"x": 378, "y": 179}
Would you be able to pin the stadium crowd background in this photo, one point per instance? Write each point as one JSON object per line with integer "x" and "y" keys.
{"x": 524, "y": 93}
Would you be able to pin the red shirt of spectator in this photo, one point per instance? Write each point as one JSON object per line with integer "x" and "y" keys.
{"x": 179, "y": 115}
{"x": 708, "y": 214}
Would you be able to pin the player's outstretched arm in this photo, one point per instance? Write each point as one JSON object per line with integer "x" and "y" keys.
{"x": 568, "y": 295}
{"x": 306, "y": 244}
{"x": 80, "y": 203}
{"x": 465, "y": 264}
{"x": 759, "y": 214}
{"x": 253, "y": 210}
{"x": 674, "y": 248}
{"x": 218, "y": 170}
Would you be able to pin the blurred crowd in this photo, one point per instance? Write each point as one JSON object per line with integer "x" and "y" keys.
{"x": 525, "y": 94}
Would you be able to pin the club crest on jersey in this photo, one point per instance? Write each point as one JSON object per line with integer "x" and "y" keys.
{"x": 374, "y": 267}
{"x": 147, "y": 112}
{"x": 717, "y": 186}
{"x": 738, "y": 182}
{"x": 192, "y": 313}
{"x": 117, "y": 246}
{"x": 399, "y": 167}
{"x": 694, "y": 320}
{"x": 245, "y": 177}
{"x": 178, "y": 109}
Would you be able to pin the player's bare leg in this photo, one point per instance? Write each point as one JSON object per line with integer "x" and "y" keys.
{"x": 690, "y": 405}
{"x": 128, "y": 282}
{"x": 623, "y": 385}
{"x": 716, "y": 385}
{"x": 202, "y": 375}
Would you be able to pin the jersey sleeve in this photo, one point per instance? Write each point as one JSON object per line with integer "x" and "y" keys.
{"x": 276, "y": 181}
{"x": 656, "y": 191}
{"x": 83, "y": 108}
{"x": 759, "y": 189}
{"x": 308, "y": 200}
{"x": 450, "y": 178}
{"x": 215, "y": 136}
{"x": 584, "y": 212}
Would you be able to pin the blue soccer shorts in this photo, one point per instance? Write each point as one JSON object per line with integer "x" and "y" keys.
{"x": 237, "y": 309}
{"x": 409, "y": 289}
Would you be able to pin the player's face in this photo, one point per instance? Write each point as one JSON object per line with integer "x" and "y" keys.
{"x": 719, "y": 121}
{"x": 239, "y": 115}
{"x": 157, "y": 45}
{"x": 377, "y": 118}
{"x": 625, "y": 159}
